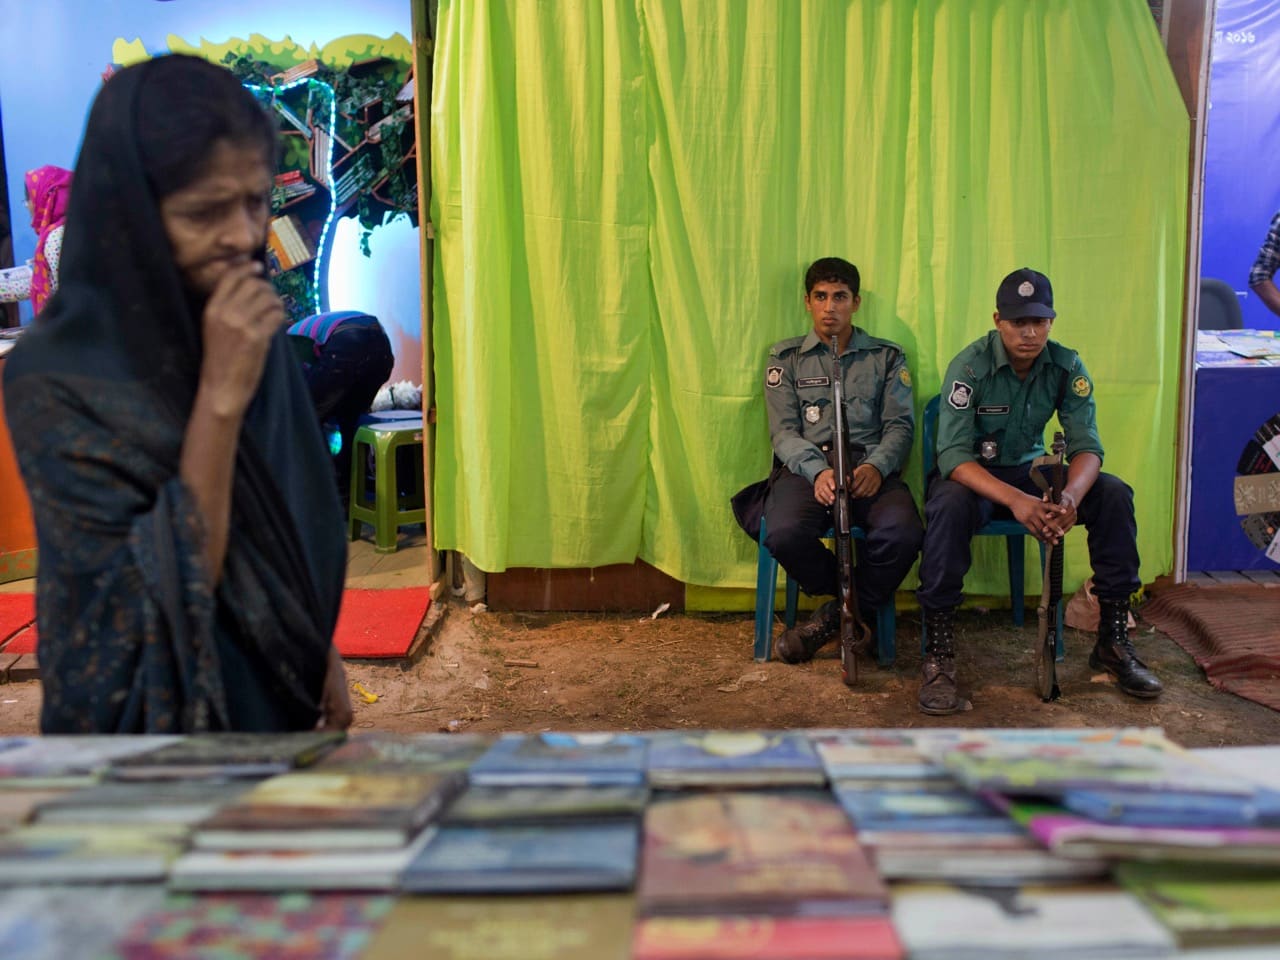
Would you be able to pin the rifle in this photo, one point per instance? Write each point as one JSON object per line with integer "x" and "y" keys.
{"x": 853, "y": 632}
{"x": 1051, "y": 591}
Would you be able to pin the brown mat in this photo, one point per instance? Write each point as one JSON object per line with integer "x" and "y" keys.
{"x": 1233, "y": 633}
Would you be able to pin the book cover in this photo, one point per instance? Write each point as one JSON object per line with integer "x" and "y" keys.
{"x": 766, "y": 938}
{"x": 278, "y": 871}
{"x": 771, "y": 853}
{"x": 583, "y": 927}
{"x": 1023, "y": 862}
{"x": 141, "y": 802}
{"x": 313, "y": 809}
{"x": 562, "y": 758}
{"x": 1208, "y": 904}
{"x": 57, "y": 922}
{"x": 62, "y": 854}
{"x": 1014, "y": 762}
{"x": 480, "y": 804}
{"x": 955, "y": 812}
{"x": 252, "y": 926}
{"x": 383, "y": 752}
{"x": 68, "y": 761}
{"x": 1176, "y": 809}
{"x": 1043, "y": 922}
{"x": 1070, "y": 835}
{"x": 510, "y": 859}
{"x": 868, "y": 754}
{"x": 733, "y": 758}
{"x": 227, "y": 755}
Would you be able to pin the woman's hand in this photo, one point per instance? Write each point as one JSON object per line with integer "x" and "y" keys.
{"x": 335, "y": 701}
{"x": 242, "y": 315}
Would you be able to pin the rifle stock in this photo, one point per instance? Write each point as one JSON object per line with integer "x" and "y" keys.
{"x": 1051, "y": 589}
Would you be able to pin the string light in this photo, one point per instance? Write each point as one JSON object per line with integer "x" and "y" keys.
{"x": 274, "y": 92}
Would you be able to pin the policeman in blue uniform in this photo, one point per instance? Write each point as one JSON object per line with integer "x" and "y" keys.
{"x": 996, "y": 398}
{"x": 879, "y": 424}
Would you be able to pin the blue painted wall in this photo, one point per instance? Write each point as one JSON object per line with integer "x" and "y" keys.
{"x": 1242, "y": 177}
{"x": 55, "y": 51}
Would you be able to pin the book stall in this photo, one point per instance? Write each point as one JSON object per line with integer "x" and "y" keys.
{"x": 939, "y": 844}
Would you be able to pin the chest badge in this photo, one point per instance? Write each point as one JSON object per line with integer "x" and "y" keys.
{"x": 813, "y": 413}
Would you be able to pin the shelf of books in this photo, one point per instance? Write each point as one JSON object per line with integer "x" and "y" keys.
{"x": 664, "y": 845}
{"x": 336, "y": 156}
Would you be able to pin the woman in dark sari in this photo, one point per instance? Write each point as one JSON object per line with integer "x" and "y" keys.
{"x": 191, "y": 547}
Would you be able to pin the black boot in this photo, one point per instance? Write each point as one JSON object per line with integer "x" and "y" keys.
{"x": 1114, "y": 652}
{"x": 799, "y": 644}
{"x": 938, "y": 696}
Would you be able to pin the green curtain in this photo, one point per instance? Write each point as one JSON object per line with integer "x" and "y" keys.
{"x": 626, "y": 194}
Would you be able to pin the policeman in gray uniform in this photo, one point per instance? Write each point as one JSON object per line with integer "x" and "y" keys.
{"x": 996, "y": 398}
{"x": 880, "y": 424}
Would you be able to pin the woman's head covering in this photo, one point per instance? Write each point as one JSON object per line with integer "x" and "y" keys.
{"x": 48, "y": 191}
{"x": 120, "y": 346}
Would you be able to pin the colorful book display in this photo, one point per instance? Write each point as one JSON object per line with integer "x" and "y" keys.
{"x": 1051, "y": 844}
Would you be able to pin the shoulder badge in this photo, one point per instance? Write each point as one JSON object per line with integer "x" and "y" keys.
{"x": 1081, "y": 386}
{"x": 960, "y": 395}
{"x": 773, "y": 377}
{"x": 904, "y": 376}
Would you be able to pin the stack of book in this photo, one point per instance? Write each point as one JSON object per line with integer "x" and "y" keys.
{"x": 747, "y": 855}
{"x": 1196, "y": 849}
{"x": 355, "y": 178}
{"x": 289, "y": 242}
{"x": 920, "y": 824}
{"x": 289, "y": 186}
{"x": 773, "y": 873}
{"x": 543, "y": 812}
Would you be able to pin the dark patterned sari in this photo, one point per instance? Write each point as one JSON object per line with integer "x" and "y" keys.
{"x": 134, "y": 636}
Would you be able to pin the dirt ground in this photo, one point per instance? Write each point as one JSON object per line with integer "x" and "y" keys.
{"x": 490, "y": 672}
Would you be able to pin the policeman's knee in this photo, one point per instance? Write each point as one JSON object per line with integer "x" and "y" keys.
{"x": 1112, "y": 491}
{"x": 784, "y": 534}
{"x": 947, "y": 500}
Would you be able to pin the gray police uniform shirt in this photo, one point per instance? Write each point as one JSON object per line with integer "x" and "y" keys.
{"x": 983, "y": 399}
{"x": 877, "y": 400}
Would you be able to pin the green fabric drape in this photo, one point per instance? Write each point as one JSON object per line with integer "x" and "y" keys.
{"x": 626, "y": 194}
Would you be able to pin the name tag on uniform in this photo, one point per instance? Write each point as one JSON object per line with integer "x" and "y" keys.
{"x": 814, "y": 382}
{"x": 993, "y": 408}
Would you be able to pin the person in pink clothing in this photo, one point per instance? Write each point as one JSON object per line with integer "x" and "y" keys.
{"x": 47, "y": 190}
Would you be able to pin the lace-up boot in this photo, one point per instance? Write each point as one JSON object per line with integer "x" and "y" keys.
{"x": 1114, "y": 652}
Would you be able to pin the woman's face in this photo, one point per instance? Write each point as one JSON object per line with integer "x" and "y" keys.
{"x": 220, "y": 218}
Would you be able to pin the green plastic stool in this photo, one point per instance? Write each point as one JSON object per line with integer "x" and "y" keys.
{"x": 388, "y": 510}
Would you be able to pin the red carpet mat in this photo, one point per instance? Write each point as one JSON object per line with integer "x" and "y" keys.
{"x": 380, "y": 623}
{"x": 373, "y": 623}
{"x": 17, "y": 610}
{"x": 1233, "y": 633}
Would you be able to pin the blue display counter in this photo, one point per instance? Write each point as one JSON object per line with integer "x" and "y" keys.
{"x": 1231, "y": 403}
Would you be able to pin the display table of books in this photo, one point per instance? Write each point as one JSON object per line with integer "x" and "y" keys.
{"x": 671, "y": 845}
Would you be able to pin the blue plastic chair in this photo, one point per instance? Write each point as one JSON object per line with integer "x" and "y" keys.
{"x": 767, "y": 585}
{"x": 1012, "y": 531}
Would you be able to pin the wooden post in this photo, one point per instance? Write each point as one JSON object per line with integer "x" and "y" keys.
{"x": 423, "y": 48}
{"x": 1187, "y": 28}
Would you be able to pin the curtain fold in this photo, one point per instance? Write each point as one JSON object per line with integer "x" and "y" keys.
{"x": 627, "y": 193}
